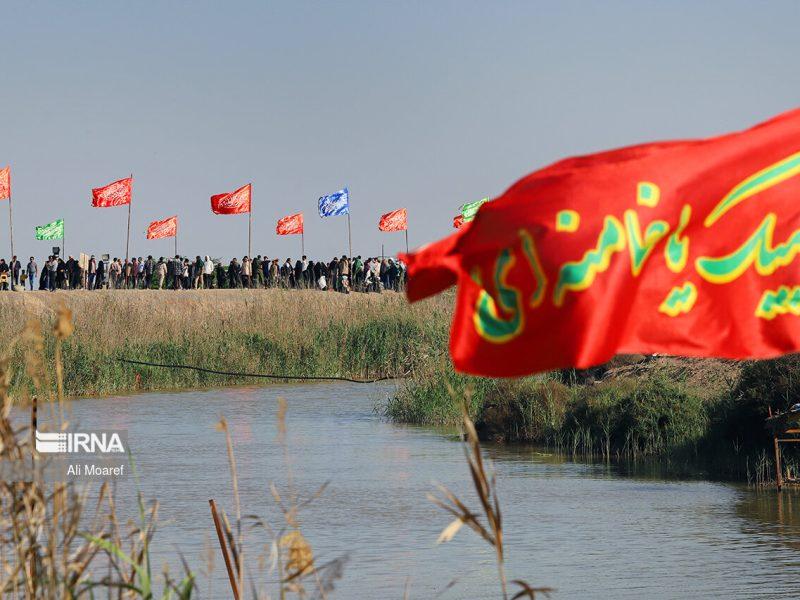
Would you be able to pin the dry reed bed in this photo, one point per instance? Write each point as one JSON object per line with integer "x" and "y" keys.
{"x": 111, "y": 317}
{"x": 290, "y": 332}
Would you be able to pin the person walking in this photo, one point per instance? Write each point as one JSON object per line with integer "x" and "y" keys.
{"x": 265, "y": 266}
{"x": 177, "y": 272}
{"x": 234, "y": 274}
{"x": 321, "y": 275}
{"x": 298, "y": 273}
{"x": 274, "y": 273}
{"x": 221, "y": 276}
{"x": 16, "y": 268}
{"x": 114, "y": 271}
{"x": 247, "y": 272}
{"x": 344, "y": 272}
{"x": 186, "y": 278}
{"x": 126, "y": 274}
{"x": 197, "y": 274}
{"x": 5, "y": 275}
{"x": 91, "y": 273}
{"x": 70, "y": 273}
{"x": 134, "y": 273}
{"x": 375, "y": 268}
{"x": 149, "y": 271}
{"x": 287, "y": 274}
{"x": 258, "y": 279}
{"x": 161, "y": 272}
{"x": 52, "y": 269}
{"x": 140, "y": 273}
{"x": 208, "y": 271}
{"x": 100, "y": 277}
{"x": 31, "y": 270}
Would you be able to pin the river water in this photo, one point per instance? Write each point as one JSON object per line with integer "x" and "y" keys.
{"x": 585, "y": 529}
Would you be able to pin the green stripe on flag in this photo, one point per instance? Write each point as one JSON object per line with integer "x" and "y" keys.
{"x": 468, "y": 211}
{"x": 51, "y": 231}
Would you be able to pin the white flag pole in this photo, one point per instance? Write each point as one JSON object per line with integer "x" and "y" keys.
{"x": 10, "y": 222}
{"x": 128, "y": 240}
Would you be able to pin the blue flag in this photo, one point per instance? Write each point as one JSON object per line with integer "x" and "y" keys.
{"x": 335, "y": 204}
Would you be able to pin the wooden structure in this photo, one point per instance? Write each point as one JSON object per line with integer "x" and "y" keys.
{"x": 785, "y": 429}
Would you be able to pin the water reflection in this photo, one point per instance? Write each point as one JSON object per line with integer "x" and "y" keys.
{"x": 591, "y": 530}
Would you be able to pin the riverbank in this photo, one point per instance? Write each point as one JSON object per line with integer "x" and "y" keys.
{"x": 706, "y": 414}
{"x": 292, "y": 332}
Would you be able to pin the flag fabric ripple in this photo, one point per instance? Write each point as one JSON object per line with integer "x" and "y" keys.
{"x": 293, "y": 224}
{"x": 51, "y": 231}
{"x": 163, "y": 229}
{"x": 5, "y": 183}
{"x": 335, "y": 204}
{"x": 469, "y": 210}
{"x": 113, "y": 194}
{"x": 394, "y": 221}
{"x": 688, "y": 247}
{"x": 232, "y": 203}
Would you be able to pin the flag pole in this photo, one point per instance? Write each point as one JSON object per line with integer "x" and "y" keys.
{"x": 10, "y": 225}
{"x": 63, "y": 241}
{"x": 11, "y": 232}
{"x": 250, "y": 224}
{"x": 349, "y": 233}
{"x": 128, "y": 240}
{"x": 176, "y": 237}
{"x": 406, "y": 239}
{"x": 302, "y": 244}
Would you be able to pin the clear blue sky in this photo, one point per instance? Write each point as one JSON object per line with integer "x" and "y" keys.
{"x": 424, "y": 105}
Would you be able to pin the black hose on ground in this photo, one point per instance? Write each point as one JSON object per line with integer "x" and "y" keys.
{"x": 258, "y": 375}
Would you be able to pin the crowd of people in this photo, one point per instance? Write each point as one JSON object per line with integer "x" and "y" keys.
{"x": 344, "y": 274}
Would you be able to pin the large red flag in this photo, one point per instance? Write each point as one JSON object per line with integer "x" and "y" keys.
{"x": 290, "y": 225}
{"x": 394, "y": 221}
{"x": 232, "y": 203}
{"x": 113, "y": 194}
{"x": 5, "y": 183}
{"x": 684, "y": 247}
{"x": 163, "y": 229}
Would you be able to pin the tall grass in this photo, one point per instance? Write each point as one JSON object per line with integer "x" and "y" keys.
{"x": 274, "y": 331}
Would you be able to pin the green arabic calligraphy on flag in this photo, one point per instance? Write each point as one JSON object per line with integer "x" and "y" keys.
{"x": 51, "y": 231}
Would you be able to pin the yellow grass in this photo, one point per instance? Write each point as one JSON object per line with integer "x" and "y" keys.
{"x": 297, "y": 332}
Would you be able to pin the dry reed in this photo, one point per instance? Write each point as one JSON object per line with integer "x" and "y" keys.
{"x": 489, "y": 526}
{"x": 49, "y": 548}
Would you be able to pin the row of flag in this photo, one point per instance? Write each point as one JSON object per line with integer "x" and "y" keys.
{"x": 120, "y": 193}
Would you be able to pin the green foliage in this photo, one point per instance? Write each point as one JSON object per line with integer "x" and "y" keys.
{"x": 616, "y": 417}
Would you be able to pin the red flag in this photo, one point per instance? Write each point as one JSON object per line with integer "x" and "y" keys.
{"x": 113, "y": 194}
{"x": 290, "y": 225}
{"x": 684, "y": 247}
{"x": 163, "y": 229}
{"x": 394, "y": 221}
{"x": 233, "y": 203}
{"x": 5, "y": 183}
{"x": 458, "y": 221}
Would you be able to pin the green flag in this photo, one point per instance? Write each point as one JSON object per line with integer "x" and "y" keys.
{"x": 468, "y": 211}
{"x": 51, "y": 231}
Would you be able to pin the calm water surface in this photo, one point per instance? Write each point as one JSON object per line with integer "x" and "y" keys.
{"x": 584, "y": 529}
